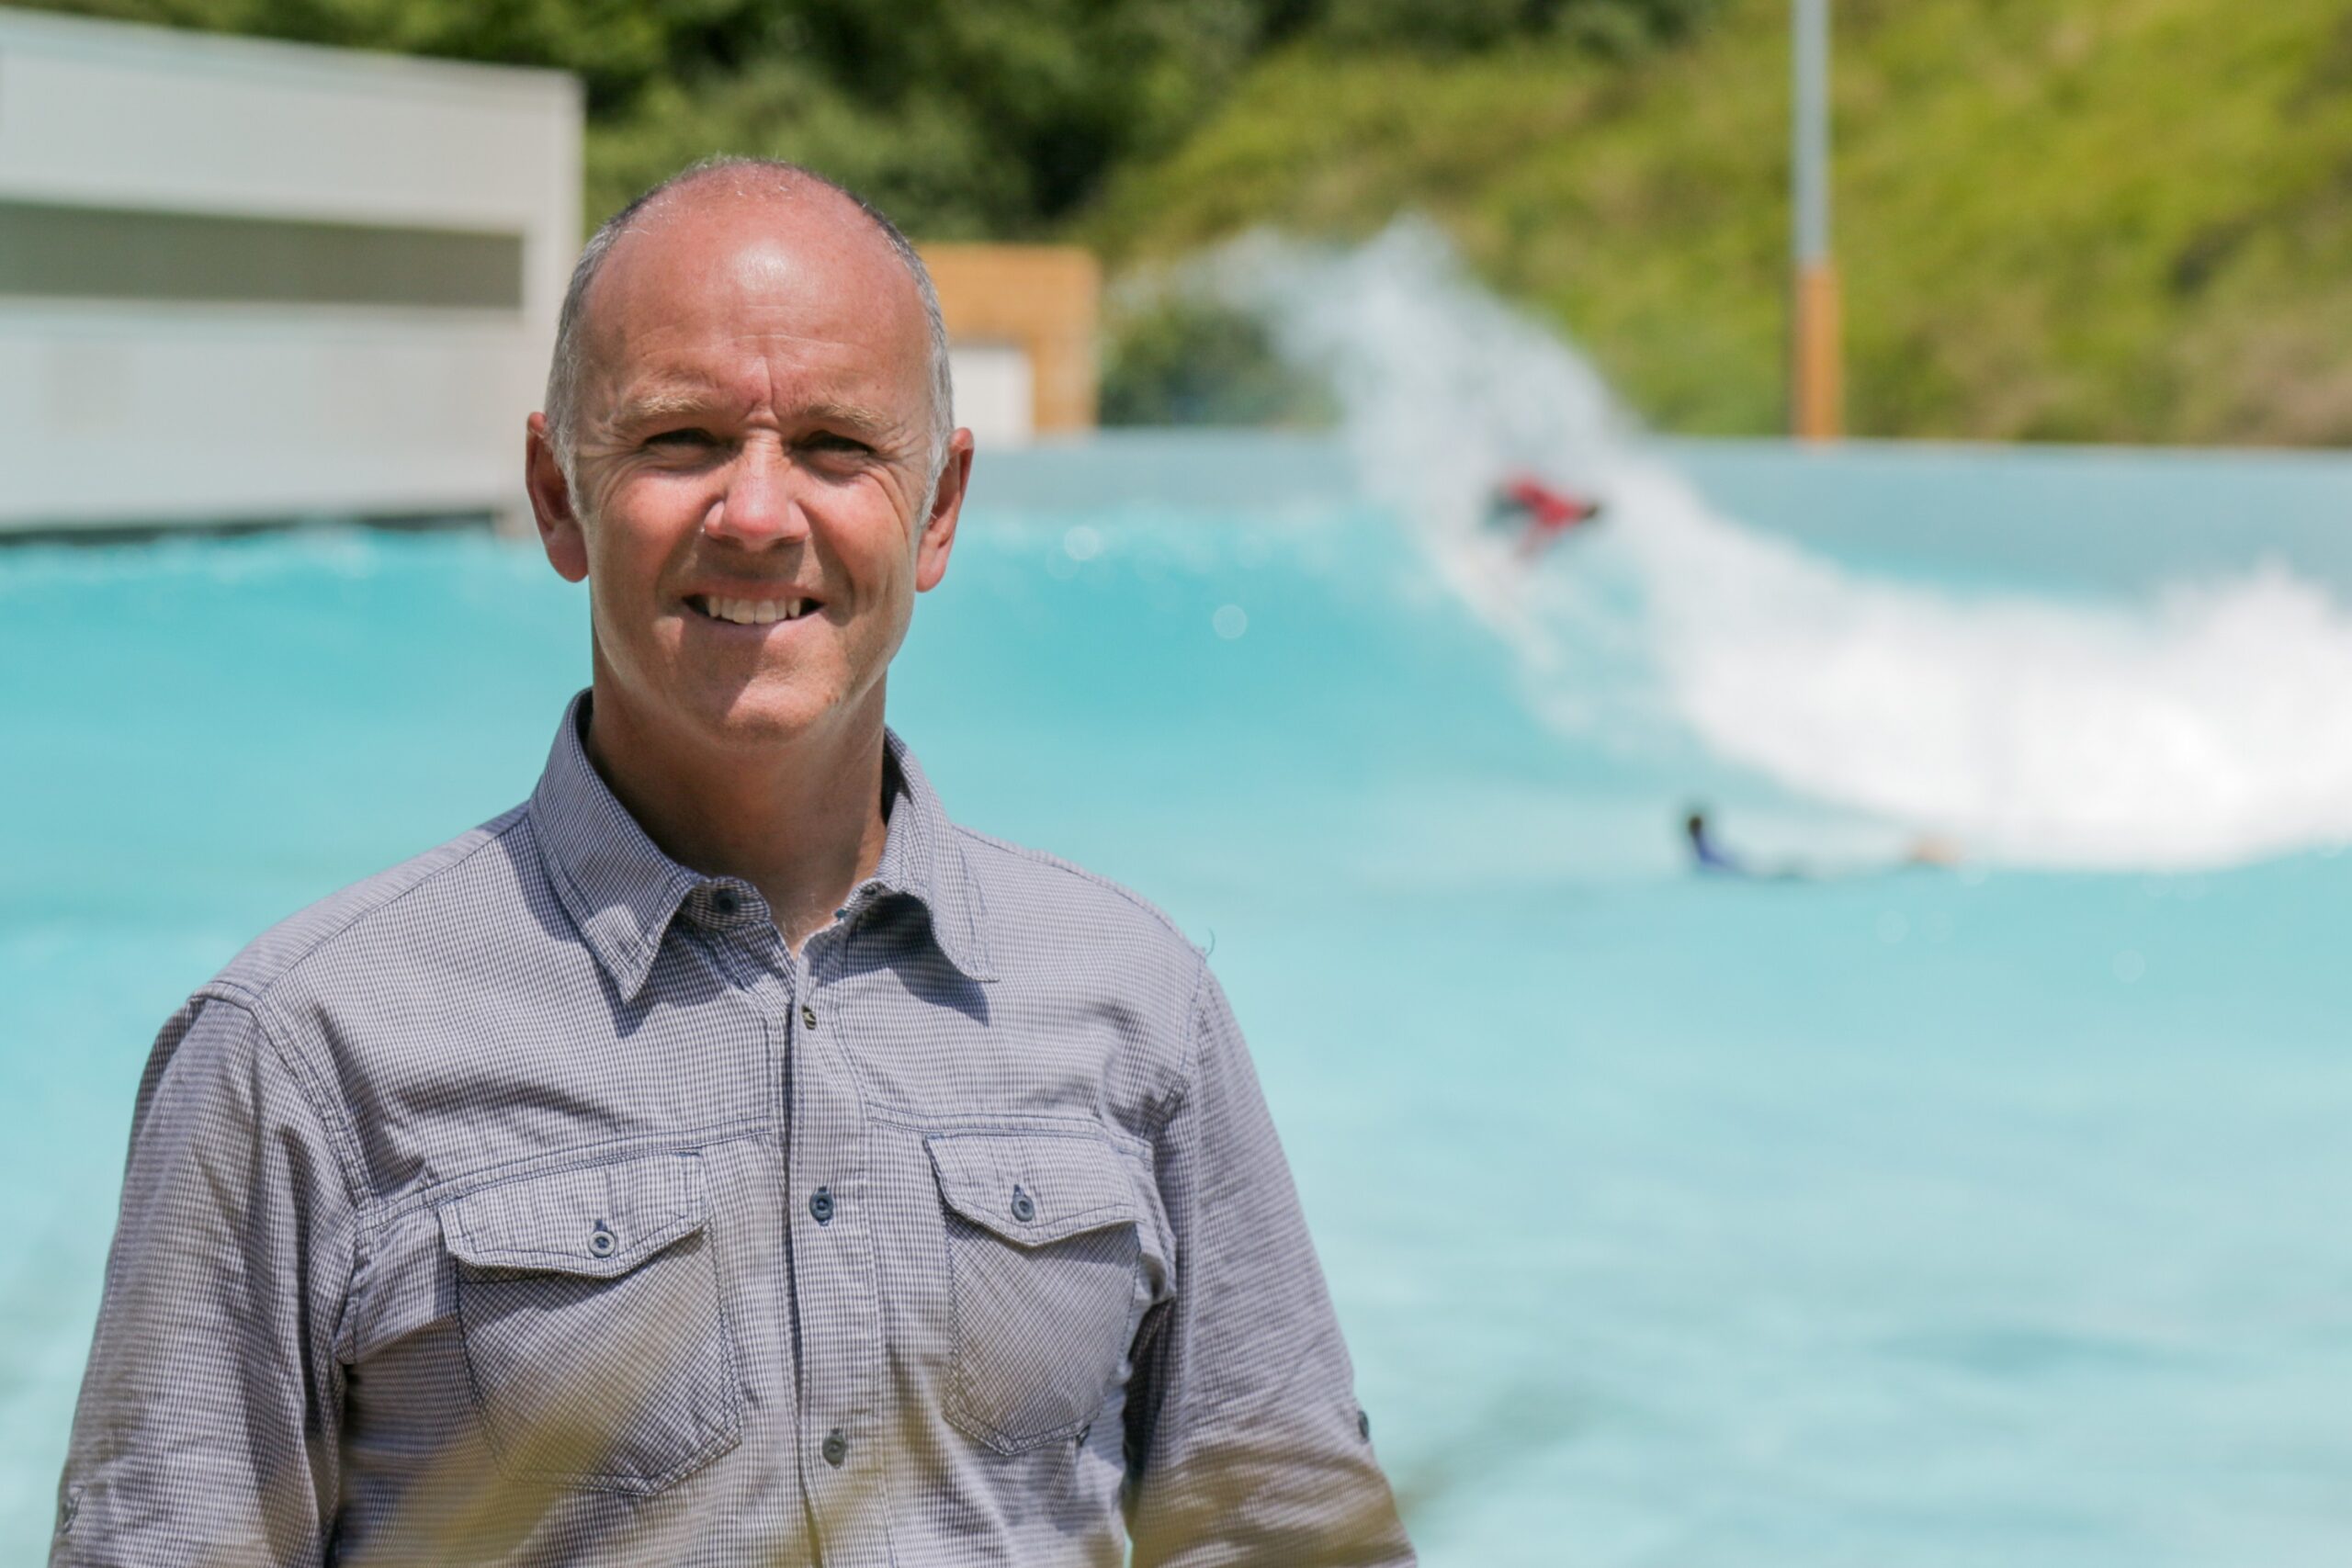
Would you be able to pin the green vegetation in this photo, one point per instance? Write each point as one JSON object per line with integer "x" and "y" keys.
{"x": 2077, "y": 219}
{"x": 960, "y": 117}
{"x": 1176, "y": 357}
{"x": 2063, "y": 219}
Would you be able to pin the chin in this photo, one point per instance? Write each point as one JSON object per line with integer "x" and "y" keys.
{"x": 770, "y": 714}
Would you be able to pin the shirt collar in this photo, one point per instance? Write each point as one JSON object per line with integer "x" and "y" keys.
{"x": 622, "y": 892}
{"x": 922, "y": 857}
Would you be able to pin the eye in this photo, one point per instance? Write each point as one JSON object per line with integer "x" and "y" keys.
{"x": 834, "y": 441}
{"x": 684, "y": 439}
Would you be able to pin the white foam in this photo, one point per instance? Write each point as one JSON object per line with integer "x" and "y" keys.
{"x": 2210, "y": 724}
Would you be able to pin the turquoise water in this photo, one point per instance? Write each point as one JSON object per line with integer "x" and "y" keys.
{"x": 1991, "y": 1217}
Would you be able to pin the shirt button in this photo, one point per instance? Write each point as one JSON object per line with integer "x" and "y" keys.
{"x": 1025, "y": 1208}
{"x": 726, "y": 901}
{"x": 836, "y": 1447}
{"x": 820, "y": 1206}
{"x": 1363, "y": 1425}
{"x": 808, "y": 1015}
{"x": 601, "y": 1241}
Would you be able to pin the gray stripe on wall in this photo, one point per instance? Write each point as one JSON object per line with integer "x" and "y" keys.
{"x": 88, "y": 253}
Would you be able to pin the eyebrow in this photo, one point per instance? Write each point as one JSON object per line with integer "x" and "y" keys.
{"x": 858, "y": 416}
{"x": 661, "y": 403}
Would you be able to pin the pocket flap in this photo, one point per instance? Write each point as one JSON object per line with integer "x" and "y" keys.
{"x": 599, "y": 1222}
{"x": 1033, "y": 1187}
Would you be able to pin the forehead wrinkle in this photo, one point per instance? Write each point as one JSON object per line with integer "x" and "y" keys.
{"x": 657, "y": 357}
{"x": 699, "y": 397}
{"x": 671, "y": 356}
{"x": 682, "y": 287}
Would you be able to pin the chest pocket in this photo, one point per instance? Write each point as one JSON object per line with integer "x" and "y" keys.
{"x": 599, "y": 1354}
{"x": 1053, "y": 1268}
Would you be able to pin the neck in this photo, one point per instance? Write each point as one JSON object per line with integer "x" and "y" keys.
{"x": 801, "y": 819}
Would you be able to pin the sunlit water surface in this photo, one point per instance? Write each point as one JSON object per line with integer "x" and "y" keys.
{"x": 1994, "y": 1217}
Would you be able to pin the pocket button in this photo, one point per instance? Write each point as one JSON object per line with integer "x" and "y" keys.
{"x": 1025, "y": 1208}
{"x": 602, "y": 1241}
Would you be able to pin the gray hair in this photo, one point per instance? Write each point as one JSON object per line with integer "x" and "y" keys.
{"x": 565, "y": 371}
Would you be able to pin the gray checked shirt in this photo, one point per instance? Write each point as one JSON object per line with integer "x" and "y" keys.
{"x": 532, "y": 1202}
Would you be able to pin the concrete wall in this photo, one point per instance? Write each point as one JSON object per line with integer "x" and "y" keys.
{"x": 246, "y": 281}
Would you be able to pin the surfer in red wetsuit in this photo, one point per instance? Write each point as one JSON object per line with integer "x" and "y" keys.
{"x": 1548, "y": 512}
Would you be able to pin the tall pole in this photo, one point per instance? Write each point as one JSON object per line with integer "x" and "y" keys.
{"x": 1815, "y": 395}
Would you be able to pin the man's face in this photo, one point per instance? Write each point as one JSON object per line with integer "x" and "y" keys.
{"x": 753, "y": 510}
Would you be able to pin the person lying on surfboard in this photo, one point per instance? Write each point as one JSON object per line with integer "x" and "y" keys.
{"x": 1710, "y": 858}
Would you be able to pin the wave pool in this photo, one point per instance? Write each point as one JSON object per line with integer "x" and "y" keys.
{"x": 1983, "y": 1216}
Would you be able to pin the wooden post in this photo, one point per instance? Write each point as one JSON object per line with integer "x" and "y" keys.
{"x": 1816, "y": 397}
{"x": 1815, "y": 382}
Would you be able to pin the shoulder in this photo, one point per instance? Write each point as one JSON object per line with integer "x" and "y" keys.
{"x": 1068, "y": 943}
{"x": 1043, "y": 909}
{"x": 1024, "y": 886}
{"x": 438, "y": 896}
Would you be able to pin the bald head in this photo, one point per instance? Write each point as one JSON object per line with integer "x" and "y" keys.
{"x": 806, "y": 211}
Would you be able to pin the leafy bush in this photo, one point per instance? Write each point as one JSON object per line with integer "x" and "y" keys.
{"x": 962, "y": 119}
{"x": 1182, "y": 359}
{"x": 1465, "y": 26}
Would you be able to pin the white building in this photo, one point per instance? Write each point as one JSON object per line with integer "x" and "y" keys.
{"x": 249, "y": 281}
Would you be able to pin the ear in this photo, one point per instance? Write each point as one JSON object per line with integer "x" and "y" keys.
{"x": 938, "y": 536}
{"x": 560, "y": 534}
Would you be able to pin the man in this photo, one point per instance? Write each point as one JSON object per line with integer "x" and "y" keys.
{"x": 722, "y": 1158}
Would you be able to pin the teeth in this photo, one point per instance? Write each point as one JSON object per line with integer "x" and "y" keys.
{"x": 756, "y": 612}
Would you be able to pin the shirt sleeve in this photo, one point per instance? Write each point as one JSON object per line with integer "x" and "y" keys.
{"x": 1245, "y": 1443}
{"x": 209, "y": 1421}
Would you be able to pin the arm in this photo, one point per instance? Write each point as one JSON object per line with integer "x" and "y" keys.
{"x": 208, "y": 1429}
{"x": 1244, "y": 1443}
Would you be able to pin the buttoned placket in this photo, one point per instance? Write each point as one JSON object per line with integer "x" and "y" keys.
{"x": 834, "y": 1285}
{"x": 832, "y": 1288}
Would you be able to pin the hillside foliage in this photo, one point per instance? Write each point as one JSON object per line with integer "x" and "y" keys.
{"x": 2123, "y": 221}
{"x": 960, "y": 117}
{"x": 2066, "y": 220}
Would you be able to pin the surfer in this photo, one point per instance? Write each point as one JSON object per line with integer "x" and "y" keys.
{"x": 1711, "y": 859}
{"x": 1706, "y": 855}
{"x": 1546, "y": 511}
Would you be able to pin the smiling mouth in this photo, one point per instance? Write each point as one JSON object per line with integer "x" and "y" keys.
{"x": 748, "y": 612}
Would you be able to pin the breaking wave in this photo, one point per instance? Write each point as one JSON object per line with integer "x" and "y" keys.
{"x": 2208, "y": 724}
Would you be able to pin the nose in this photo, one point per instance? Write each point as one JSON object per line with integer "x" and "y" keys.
{"x": 760, "y": 508}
